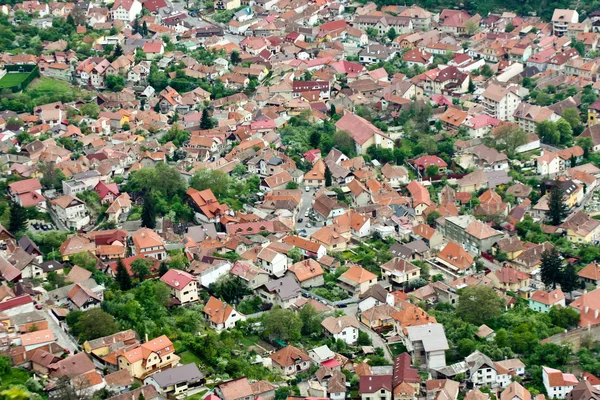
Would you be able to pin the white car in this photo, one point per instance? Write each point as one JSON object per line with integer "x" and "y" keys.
{"x": 309, "y": 225}
{"x": 307, "y": 189}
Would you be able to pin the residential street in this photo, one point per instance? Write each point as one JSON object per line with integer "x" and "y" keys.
{"x": 62, "y": 338}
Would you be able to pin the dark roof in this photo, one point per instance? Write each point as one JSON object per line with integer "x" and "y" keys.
{"x": 184, "y": 373}
{"x": 27, "y": 244}
{"x": 374, "y": 383}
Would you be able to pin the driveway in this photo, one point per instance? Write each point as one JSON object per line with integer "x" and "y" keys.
{"x": 377, "y": 341}
{"x": 62, "y": 338}
{"x": 307, "y": 200}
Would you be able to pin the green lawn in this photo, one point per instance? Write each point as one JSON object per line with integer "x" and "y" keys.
{"x": 197, "y": 396}
{"x": 250, "y": 340}
{"x": 10, "y": 80}
{"x": 188, "y": 357}
{"x": 45, "y": 84}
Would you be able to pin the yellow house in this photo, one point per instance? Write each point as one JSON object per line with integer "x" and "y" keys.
{"x": 101, "y": 347}
{"x": 509, "y": 279}
{"x": 511, "y": 246}
{"x": 155, "y": 355}
{"x": 581, "y": 228}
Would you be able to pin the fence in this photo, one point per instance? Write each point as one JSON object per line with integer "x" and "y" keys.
{"x": 33, "y": 70}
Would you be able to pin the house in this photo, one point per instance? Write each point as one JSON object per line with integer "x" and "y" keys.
{"x": 561, "y": 19}
{"x": 357, "y": 280}
{"x": 420, "y": 197}
{"x": 427, "y": 344}
{"x": 378, "y": 316}
{"x": 345, "y": 328}
{"x": 590, "y": 273}
{"x": 308, "y": 273}
{"x": 581, "y": 228}
{"x": 509, "y": 279}
{"x": 221, "y": 315}
{"x": 375, "y": 296}
{"x": 473, "y": 234}
{"x": 250, "y": 273}
{"x": 36, "y": 339}
{"x": 183, "y": 285}
{"x": 557, "y": 383}
{"x": 363, "y": 133}
{"x": 500, "y": 102}
{"x": 205, "y": 205}
{"x": 283, "y": 292}
{"x": 146, "y": 242}
{"x": 148, "y": 358}
{"x": 375, "y": 387}
{"x": 235, "y": 389}
{"x": 82, "y": 298}
{"x": 543, "y": 301}
{"x": 176, "y": 381}
{"x": 107, "y": 192}
{"x": 404, "y": 373}
{"x": 125, "y": 10}
{"x": 307, "y": 247}
{"x": 399, "y": 271}
{"x": 27, "y": 193}
{"x": 290, "y": 360}
{"x": 418, "y": 57}
{"x": 456, "y": 258}
{"x": 273, "y": 262}
{"x": 588, "y": 306}
{"x": 70, "y": 211}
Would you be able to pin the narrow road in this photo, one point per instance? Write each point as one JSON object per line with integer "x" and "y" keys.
{"x": 377, "y": 342}
{"x": 62, "y": 338}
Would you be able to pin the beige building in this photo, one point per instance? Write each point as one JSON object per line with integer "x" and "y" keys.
{"x": 155, "y": 355}
{"x": 184, "y": 286}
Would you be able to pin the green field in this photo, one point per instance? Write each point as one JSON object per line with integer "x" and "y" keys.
{"x": 13, "y": 79}
{"x": 45, "y": 85}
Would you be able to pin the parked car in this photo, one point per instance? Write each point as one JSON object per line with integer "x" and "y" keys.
{"x": 308, "y": 225}
{"x": 300, "y": 219}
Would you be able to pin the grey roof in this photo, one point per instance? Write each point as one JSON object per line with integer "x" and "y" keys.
{"x": 286, "y": 287}
{"x": 63, "y": 292}
{"x": 27, "y": 317}
{"x": 199, "y": 233}
{"x": 432, "y": 336}
{"x": 87, "y": 174}
{"x": 417, "y": 246}
{"x": 184, "y": 373}
{"x": 497, "y": 178}
{"x": 27, "y": 244}
{"x": 377, "y": 292}
{"x": 52, "y": 265}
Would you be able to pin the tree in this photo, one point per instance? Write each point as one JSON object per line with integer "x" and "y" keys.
{"x": 116, "y": 83}
{"x": 328, "y": 177}
{"x": 92, "y": 324}
{"x": 315, "y": 138}
{"x": 118, "y": 50}
{"x": 391, "y": 34}
{"x": 569, "y": 280}
{"x": 344, "y": 143}
{"x": 565, "y": 317}
{"x": 282, "y": 393}
{"x": 122, "y": 277}
{"x": 557, "y": 209}
{"x": 235, "y": 57}
{"x": 364, "y": 339}
{"x": 148, "y": 212}
{"x": 509, "y": 27}
{"x": 552, "y": 266}
{"x": 332, "y": 110}
{"x": 141, "y": 268}
{"x": 432, "y": 217}
{"x": 230, "y": 288}
{"x": 282, "y": 324}
{"x": 571, "y": 115}
{"x": 478, "y": 304}
{"x": 18, "y": 218}
{"x": 579, "y": 46}
{"x": 311, "y": 320}
{"x": 295, "y": 254}
{"x": 565, "y": 131}
{"x": 206, "y": 122}
{"x": 163, "y": 268}
{"x": 215, "y": 180}
{"x": 90, "y": 109}
{"x": 291, "y": 185}
{"x": 432, "y": 170}
{"x": 507, "y": 138}
{"x": 144, "y": 29}
{"x": 586, "y": 144}
{"x": 548, "y": 132}
{"x": 471, "y": 27}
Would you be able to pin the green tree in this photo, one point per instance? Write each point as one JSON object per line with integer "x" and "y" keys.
{"x": 571, "y": 115}
{"x": 432, "y": 170}
{"x": 141, "y": 268}
{"x": 144, "y": 29}
{"x": 235, "y": 57}
{"x": 149, "y": 212}
{"x": 557, "y": 209}
{"x": 586, "y": 144}
{"x": 282, "y": 393}
{"x": 548, "y": 132}
{"x": 565, "y": 317}
{"x": 295, "y": 254}
{"x": 552, "y": 266}
{"x": 118, "y": 50}
{"x": 565, "y": 131}
{"x": 230, "y": 289}
{"x": 479, "y": 304}
{"x": 311, "y": 320}
{"x": 344, "y": 143}
{"x": 215, "y": 180}
{"x": 579, "y": 46}
{"x": 282, "y": 324}
{"x": 206, "y": 122}
{"x": 163, "y": 268}
{"x": 122, "y": 277}
{"x": 92, "y": 324}
{"x": 432, "y": 217}
{"x": 116, "y": 83}
{"x": 509, "y": 27}
{"x": 364, "y": 339}
{"x": 315, "y": 138}
{"x": 18, "y": 218}
{"x": 569, "y": 280}
{"x": 291, "y": 185}
{"x": 328, "y": 177}
{"x": 391, "y": 34}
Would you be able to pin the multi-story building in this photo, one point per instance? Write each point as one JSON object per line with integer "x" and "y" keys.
{"x": 147, "y": 242}
{"x": 500, "y": 102}
{"x": 70, "y": 211}
{"x": 183, "y": 285}
{"x": 155, "y": 355}
{"x": 561, "y": 20}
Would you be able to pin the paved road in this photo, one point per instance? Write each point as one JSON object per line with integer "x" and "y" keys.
{"x": 61, "y": 337}
{"x": 307, "y": 200}
{"x": 378, "y": 341}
